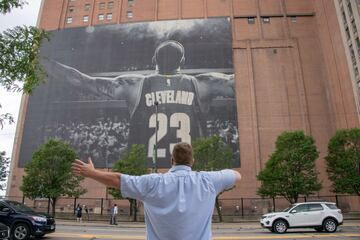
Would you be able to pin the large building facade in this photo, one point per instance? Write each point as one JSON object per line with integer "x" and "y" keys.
{"x": 348, "y": 13}
{"x": 289, "y": 60}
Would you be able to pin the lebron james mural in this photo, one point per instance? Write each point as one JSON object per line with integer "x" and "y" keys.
{"x": 140, "y": 83}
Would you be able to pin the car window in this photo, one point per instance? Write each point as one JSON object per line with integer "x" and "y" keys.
{"x": 288, "y": 208}
{"x": 19, "y": 206}
{"x": 301, "y": 208}
{"x": 2, "y": 206}
{"x": 331, "y": 206}
{"x": 315, "y": 207}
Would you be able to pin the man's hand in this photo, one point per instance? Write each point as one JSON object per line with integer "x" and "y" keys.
{"x": 110, "y": 179}
{"x": 78, "y": 167}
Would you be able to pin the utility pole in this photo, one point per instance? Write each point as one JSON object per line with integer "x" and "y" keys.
{"x": 156, "y": 138}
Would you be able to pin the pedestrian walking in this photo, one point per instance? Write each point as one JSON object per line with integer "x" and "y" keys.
{"x": 179, "y": 204}
{"x": 78, "y": 213}
{"x": 87, "y": 212}
{"x": 114, "y": 212}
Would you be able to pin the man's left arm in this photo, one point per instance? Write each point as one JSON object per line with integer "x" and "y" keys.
{"x": 225, "y": 179}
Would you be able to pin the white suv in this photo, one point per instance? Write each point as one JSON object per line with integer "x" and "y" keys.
{"x": 319, "y": 215}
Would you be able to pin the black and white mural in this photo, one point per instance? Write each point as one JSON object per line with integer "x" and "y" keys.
{"x": 109, "y": 86}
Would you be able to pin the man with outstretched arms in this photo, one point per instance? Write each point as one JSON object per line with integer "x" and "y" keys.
{"x": 178, "y": 204}
{"x": 181, "y": 99}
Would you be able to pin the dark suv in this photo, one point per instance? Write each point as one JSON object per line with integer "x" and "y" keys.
{"x": 23, "y": 221}
{"x": 4, "y": 232}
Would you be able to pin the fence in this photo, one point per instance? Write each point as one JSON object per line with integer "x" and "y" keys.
{"x": 239, "y": 207}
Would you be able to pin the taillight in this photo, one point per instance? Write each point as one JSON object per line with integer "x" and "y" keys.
{"x": 339, "y": 211}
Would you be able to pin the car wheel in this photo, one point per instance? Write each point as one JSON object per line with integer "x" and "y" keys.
{"x": 330, "y": 225}
{"x": 21, "y": 232}
{"x": 319, "y": 229}
{"x": 280, "y": 226}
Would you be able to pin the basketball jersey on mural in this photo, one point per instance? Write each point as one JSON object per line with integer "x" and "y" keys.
{"x": 179, "y": 117}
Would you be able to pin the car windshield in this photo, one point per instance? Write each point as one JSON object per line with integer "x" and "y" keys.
{"x": 19, "y": 207}
{"x": 288, "y": 208}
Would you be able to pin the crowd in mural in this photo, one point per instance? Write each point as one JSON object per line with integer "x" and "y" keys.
{"x": 103, "y": 138}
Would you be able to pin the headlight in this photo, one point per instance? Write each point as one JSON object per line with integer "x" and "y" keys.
{"x": 270, "y": 216}
{"x": 39, "y": 219}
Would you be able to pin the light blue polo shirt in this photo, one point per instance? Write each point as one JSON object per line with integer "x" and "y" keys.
{"x": 178, "y": 204}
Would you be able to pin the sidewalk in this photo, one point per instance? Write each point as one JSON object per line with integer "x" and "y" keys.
{"x": 243, "y": 225}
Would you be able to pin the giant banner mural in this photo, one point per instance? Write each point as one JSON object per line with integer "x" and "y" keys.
{"x": 109, "y": 86}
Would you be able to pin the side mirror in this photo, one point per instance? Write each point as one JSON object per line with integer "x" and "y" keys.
{"x": 293, "y": 211}
{"x": 5, "y": 210}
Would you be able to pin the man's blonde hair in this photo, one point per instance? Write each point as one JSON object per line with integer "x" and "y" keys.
{"x": 183, "y": 154}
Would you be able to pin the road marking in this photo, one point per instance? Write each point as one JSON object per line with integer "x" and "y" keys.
{"x": 288, "y": 236}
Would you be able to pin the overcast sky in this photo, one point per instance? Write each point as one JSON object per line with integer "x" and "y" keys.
{"x": 10, "y": 101}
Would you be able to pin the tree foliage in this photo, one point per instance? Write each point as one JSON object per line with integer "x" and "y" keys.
{"x": 4, "y": 171}
{"x": 290, "y": 171}
{"x": 19, "y": 64}
{"x": 49, "y": 175}
{"x": 133, "y": 162}
{"x": 343, "y": 161}
{"x": 7, "y": 5}
{"x": 212, "y": 153}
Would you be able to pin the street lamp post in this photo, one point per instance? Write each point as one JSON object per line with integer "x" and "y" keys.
{"x": 156, "y": 138}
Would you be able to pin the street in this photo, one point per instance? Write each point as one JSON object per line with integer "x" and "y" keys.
{"x": 225, "y": 231}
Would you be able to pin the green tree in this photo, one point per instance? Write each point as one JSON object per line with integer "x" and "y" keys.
{"x": 7, "y": 5}
{"x": 49, "y": 175}
{"x": 290, "y": 171}
{"x": 343, "y": 161}
{"x": 19, "y": 66}
{"x": 19, "y": 48}
{"x": 213, "y": 154}
{"x": 133, "y": 162}
{"x": 4, "y": 164}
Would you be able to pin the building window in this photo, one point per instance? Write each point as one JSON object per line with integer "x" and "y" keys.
{"x": 102, "y": 5}
{"x": 356, "y": 71}
{"x": 293, "y": 19}
{"x": 352, "y": 54}
{"x": 347, "y": 31}
{"x": 85, "y": 19}
{"x": 109, "y": 16}
{"x": 353, "y": 26}
{"x": 350, "y": 9}
{"x": 130, "y": 3}
{"x": 266, "y": 19}
{"x": 110, "y": 5}
{"x": 357, "y": 40}
{"x": 71, "y": 9}
{"x": 101, "y": 17}
{"x": 343, "y": 16}
{"x": 251, "y": 20}
{"x": 87, "y": 7}
{"x": 129, "y": 14}
{"x": 69, "y": 20}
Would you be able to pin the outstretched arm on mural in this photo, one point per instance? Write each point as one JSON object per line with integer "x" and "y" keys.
{"x": 121, "y": 87}
{"x": 110, "y": 179}
{"x": 212, "y": 85}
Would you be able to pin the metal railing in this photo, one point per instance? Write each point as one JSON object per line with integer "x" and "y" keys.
{"x": 235, "y": 207}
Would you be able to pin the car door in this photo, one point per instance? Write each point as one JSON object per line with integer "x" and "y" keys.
{"x": 315, "y": 213}
{"x": 298, "y": 216}
{"x": 5, "y": 216}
